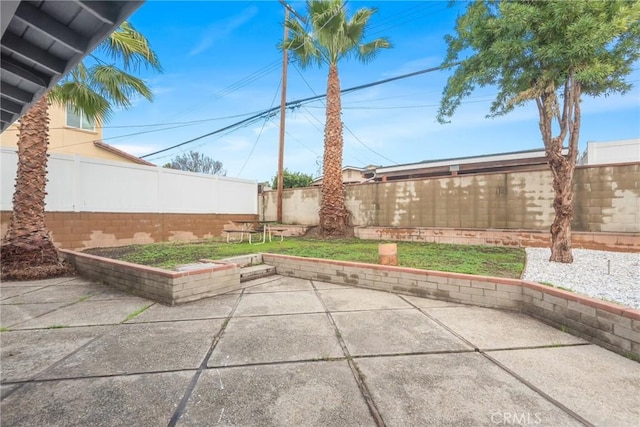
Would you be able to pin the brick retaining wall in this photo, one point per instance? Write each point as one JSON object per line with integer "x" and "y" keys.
{"x": 620, "y": 242}
{"x": 167, "y": 287}
{"x": 612, "y": 326}
{"x": 83, "y": 230}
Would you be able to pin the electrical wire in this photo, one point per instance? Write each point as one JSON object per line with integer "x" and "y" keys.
{"x": 275, "y": 95}
{"x": 189, "y": 122}
{"x": 411, "y": 17}
{"x": 345, "y": 125}
{"x": 296, "y": 104}
{"x": 245, "y": 81}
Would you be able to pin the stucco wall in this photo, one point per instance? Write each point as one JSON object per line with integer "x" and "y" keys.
{"x": 607, "y": 199}
{"x": 64, "y": 139}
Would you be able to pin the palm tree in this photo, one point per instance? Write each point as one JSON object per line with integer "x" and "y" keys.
{"x": 332, "y": 37}
{"x": 93, "y": 88}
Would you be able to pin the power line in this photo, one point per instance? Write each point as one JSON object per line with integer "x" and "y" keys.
{"x": 261, "y": 129}
{"x": 189, "y": 122}
{"x": 377, "y": 29}
{"x": 298, "y": 103}
{"x": 246, "y": 80}
{"x": 344, "y": 124}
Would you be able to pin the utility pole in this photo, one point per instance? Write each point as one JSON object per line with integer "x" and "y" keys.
{"x": 283, "y": 110}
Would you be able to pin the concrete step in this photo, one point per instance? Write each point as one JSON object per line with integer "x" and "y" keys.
{"x": 256, "y": 271}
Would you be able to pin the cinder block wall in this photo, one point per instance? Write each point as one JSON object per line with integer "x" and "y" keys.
{"x": 167, "y": 287}
{"x": 609, "y": 325}
{"x": 83, "y": 230}
{"x": 607, "y": 199}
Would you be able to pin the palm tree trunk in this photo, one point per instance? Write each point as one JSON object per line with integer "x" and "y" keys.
{"x": 333, "y": 212}
{"x": 27, "y": 250}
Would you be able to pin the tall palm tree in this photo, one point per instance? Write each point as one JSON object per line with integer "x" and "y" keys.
{"x": 331, "y": 38}
{"x": 93, "y": 88}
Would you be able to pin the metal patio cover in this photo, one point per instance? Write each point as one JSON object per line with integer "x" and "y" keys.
{"x": 43, "y": 40}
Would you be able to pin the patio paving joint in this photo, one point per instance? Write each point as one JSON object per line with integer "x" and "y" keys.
{"x": 90, "y": 376}
{"x": 448, "y": 329}
{"x": 34, "y": 378}
{"x": 355, "y": 370}
{"x": 546, "y": 396}
{"x": 533, "y": 347}
{"x": 39, "y": 315}
{"x": 203, "y": 367}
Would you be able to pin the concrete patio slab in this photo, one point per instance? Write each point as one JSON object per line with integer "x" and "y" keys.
{"x": 282, "y": 284}
{"x": 350, "y": 299}
{"x": 463, "y": 389}
{"x": 8, "y": 292}
{"x": 278, "y": 303}
{"x": 208, "y": 308}
{"x": 326, "y": 285}
{"x": 26, "y": 354}
{"x": 295, "y": 370}
{"x": 394, "y": 332}
{"x": 86, "y": 313}
{"x": 492, "y": 329}
{"x": 429, "y": 303}
{"x": 109, "y": 293}
{"x": 56, "y": 293}
{"x": 295, "y": 394}
{"x": 6, "y": 388}
{"x": 276, "y": 339}
{"x": 42, "y": 283}
{"x": 114, "y": 401}
{"x": 600, "y": 385}
{"x": 140, "y": 348}
{"x": 259, "y": 281}
{"x": 12, "y": 315}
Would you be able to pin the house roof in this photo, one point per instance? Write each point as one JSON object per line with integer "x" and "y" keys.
{"x": 43, "y": 40}
{"x": 514, "y": 156}
{"x": 355, "y": 168}
{"x": 121, "y": 153}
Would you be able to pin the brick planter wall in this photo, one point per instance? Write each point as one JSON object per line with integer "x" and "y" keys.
{"x": 167, "y": 287}
{"x": 612, "y": 326}
{"x": 620, "y": 242}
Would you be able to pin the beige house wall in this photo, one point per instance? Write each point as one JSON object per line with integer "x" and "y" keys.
{"x": 607, "y": 199}
{"x": 64, "y": 139}
{"x": 348, "y": 175}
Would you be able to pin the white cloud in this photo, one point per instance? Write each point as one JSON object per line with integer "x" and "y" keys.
{"x": 222, "y": 29}
{"x": 414, "y": 65}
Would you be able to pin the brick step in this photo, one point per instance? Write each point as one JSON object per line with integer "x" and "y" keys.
{"x": 256, "y": 271}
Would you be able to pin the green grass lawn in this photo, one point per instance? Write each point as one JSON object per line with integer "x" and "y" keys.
{"x": 479, "y": 260}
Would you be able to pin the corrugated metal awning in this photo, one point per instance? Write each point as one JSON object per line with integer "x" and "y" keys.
{"x": 43, "y": 40}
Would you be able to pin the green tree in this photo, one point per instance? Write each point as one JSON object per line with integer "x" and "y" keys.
{"x": 552, "y": 53}
{"x": 293, "y": 179}
{"x": 331, "y": 38}
{"x": 93, "y": 87}
{"x": 194, "y": 161}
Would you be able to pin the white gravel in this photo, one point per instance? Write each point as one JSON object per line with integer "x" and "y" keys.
{"x": 611, "y": 276}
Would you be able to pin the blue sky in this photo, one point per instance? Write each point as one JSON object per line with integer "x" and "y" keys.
{"x": 221, "y": 64}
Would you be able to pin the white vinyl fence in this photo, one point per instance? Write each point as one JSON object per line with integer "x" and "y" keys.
{"x": 80, "y": 184}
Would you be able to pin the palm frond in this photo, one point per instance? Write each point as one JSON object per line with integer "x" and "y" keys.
{"x": 368, "y": 51}
{"x": 83, "y": 99}
{"x": 117, "y": 85}
{"x": 325, "y": 15}
{"x": 131, "y": 47}
{"x": 301, "y": 44}
{"x": 356, "y": 26}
